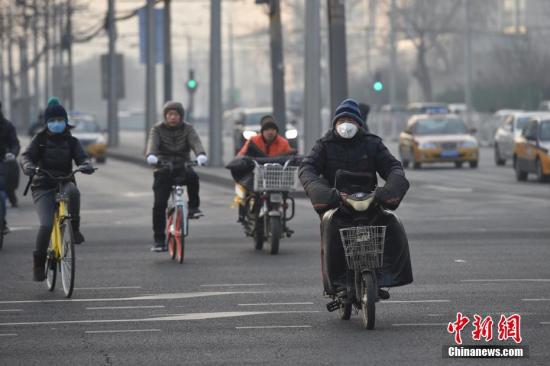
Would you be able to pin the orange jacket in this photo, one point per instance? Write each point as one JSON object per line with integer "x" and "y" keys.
{"x": 279, "y": 146}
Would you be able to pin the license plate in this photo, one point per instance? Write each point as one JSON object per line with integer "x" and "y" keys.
{"x": 449, "y": 154}
{"x": 276, "y": 197}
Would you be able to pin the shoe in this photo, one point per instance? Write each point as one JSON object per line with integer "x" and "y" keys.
{"x": 78, "y": 238}
{"x": 38, "y": 272}
{"x": 195, "y": 213}
{"x": 383, "y": 294}
{"x": 158, "y": 247}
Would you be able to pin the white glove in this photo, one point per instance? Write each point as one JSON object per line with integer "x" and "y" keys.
{"x": 202, "y": 160}
{"x": 152, "y": 159}
{"x": 9, "y": 157}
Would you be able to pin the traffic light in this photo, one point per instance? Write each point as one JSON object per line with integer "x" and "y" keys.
{"x": 377, "y": 84}
{"x": 192, "y": 83}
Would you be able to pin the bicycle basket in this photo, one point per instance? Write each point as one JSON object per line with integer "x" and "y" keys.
{"x": 275, "y": 178}
{"x": 363, "y": 246}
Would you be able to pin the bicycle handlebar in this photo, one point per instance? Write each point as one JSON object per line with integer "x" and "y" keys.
{"x": 51, "y": 176}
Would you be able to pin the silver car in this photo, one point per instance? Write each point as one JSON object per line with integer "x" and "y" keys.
{"x": 509, "y": 129}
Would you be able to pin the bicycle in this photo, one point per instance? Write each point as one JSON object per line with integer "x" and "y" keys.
{"x": 60, "y": 253}
{"x": 177, "y": 217}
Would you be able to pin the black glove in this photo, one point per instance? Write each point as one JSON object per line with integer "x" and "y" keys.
{"x": 86, "y": 168}
{"x": 30, "y": 169}
{"x": 390, "y": 195}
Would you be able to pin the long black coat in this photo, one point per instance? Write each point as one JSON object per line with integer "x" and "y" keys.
{"x": 364, "y": 153}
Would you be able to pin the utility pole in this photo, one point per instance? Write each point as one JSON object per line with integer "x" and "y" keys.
{"x": 24, "y": 115}
{"x": 371, "y": 29}
{"x": 337, "y": 52}
{"x": 467, "y": 61}
{"x": 2, "y": 75}
{"x": 36, "y": 99}
{"x": 215, "y": 142}
{"x": 151, "y": 80}
{"x": 11, "y": 77}
{"x": 312, "y": 92}
{"x": 232, "y": 99}
{"x": 69, "y": 46}
{"x": 167, "y": 51}
{"x": 277, "y": 65}
{"x": 112, "y": 93}
{"x": 47, "y": 53}
{"x": 393, "y": 55}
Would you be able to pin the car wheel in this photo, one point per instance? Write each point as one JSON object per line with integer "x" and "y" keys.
{"x": 474, "y": 164}
{"x": 415, "y": 164}
{"x": 458, "y": 164}
{"x": 498, "y": 159}
{"x": 520, "y": 174}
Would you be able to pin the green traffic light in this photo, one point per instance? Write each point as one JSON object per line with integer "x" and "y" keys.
{"x": 378, "y": 86}
{"x": 192, "y": 84}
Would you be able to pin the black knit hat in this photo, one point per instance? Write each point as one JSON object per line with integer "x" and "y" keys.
{"x": 268, "y": 122}
{"x": 55, "y": 110}
{"x": 348, "y": 108}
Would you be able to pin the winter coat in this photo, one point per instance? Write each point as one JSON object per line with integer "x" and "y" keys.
{"x": 9, "y": 143}
{"x": 277, "y": 147}
{"x": 174, "y": 143}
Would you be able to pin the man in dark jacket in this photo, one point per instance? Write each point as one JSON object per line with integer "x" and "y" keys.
{"x": 348, "y": 146}
{"x": 9, "y": 149}
{"x": 172, "y": 140}
{"x": 53, "y": 149}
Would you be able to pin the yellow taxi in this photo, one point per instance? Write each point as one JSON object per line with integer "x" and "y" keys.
{"x": 531, "y": 149}
{"x": 438, "y": 138}
{"x": 85, "y": 128}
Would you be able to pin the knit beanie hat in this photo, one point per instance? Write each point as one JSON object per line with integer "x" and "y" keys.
{"x": 173, "y": 106}
{"x": 55, "y": 110}
{"x": 268, "y": 122}
{"x": 348, "y": 108}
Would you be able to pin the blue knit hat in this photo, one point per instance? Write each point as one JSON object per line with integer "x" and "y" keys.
{"x": 55, "y": 110}
{"x": 348, "y": 108}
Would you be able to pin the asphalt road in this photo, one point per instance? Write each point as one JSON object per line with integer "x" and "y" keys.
{"x": 479, "y": 241}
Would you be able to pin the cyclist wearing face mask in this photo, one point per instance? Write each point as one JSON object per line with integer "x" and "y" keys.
{"x": 348, "y": 146}
{"x": 53, "y": 149}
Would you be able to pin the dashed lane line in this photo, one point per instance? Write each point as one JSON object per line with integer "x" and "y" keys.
{"x": 274, "y": 327}
{"x": 125, "y": 307}
{"x": 277, "y": 303}
{"x": 120, "y": 331}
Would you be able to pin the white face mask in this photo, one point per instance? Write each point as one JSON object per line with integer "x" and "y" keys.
{"x": 346, "y": 130}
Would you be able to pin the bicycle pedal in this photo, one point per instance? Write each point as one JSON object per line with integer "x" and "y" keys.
{"x": 333, "y": 305}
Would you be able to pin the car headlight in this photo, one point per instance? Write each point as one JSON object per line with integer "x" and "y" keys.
{"x": 428, "y": 145}
{"x": 469, "y": 143}
{"x": 248, "y": 134}
{"x": 291, "y": 134}
{"x": 101, "y": 140}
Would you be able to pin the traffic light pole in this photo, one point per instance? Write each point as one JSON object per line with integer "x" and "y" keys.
{"x": 215, "y": 101}
{"x": 312, "y": 94}
{"x": 150, "y": 86}
{"x": 167, "y": 51}
{"x": 277, "y": 66}
{"x": 112, "y": 94}
{"x": 337, "y": 52}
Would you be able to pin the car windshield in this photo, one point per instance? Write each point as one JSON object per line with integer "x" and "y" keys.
{"x": 85, "y": 126}
{"x": 520, "y": 122}
{"x": 545, "y": 131}
{"x": 440, "y": 127}
{"x": 254, "y": 118}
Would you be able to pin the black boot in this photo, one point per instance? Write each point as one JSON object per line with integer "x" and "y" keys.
{"x": 78, "y": 238}
{"x": 38, "y": 271}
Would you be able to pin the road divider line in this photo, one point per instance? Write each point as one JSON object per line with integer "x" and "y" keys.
{"x": 234, "y": 284}
{"x": 176, "y": 317}
{"x": 277, "y": 303}
{"x": 121, "y": 331}
{"x": 168, "y": 296}
{"x": 545, "y": 323}
{"x": 274, "y": 327}
{"x": 414, "y": 301}
{"x": 108, "y": 288}
{"x": 125, "y": 307}
{"x": 535, "y": 300}
{"x": 8, "y": 335}
{"x": 418, "y": 324}
{"x": 509, "y": 280}
{"x": 10, "y": 310}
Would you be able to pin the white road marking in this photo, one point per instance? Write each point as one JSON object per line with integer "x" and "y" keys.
{"x": 108, "y": 288}
{"x": 175, "y": 317}
{"x": 413, "y": 301}
{"x": 545, "y": 323}
{"x": 448, "y": 189}
{"x": 274, "y": 327}
{"x": 8, "y": 335}
{"x": 169, "y": 296}
{"x": 125, "y": 307}
{"x": 535, "y": 299}
{"x": 21, "y": 228}
{"x": 460, "y": 261}
{"x": 418, "y": 324}
{"x": 137, "y": 194}
{"x": 96, "y": 211}
{"x": 10, "y": 310}
{"x": 277, "y": 303}
{"x": 234, "y": 284}
{"x": 434, "y": 315}
{"x": 121, "y": 331}
{"x": 510, "y": 280}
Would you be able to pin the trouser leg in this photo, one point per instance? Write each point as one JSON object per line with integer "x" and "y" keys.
{"x": 333, "y": 260}
{"x": 45, "y": 208}
{"x": 161, "y": 189}
{"x": 192, "y": 183}
{"x": 74, "y": 204}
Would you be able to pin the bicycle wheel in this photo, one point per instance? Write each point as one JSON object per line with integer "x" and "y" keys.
{"x": 171, "y": 238}
{"x": 276, "y": 230}
{"x": 51, "y": 268}
{"x": 179, "y": 236}
{"x": 67, "y": 258}
{"x": 368, "y": 299}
